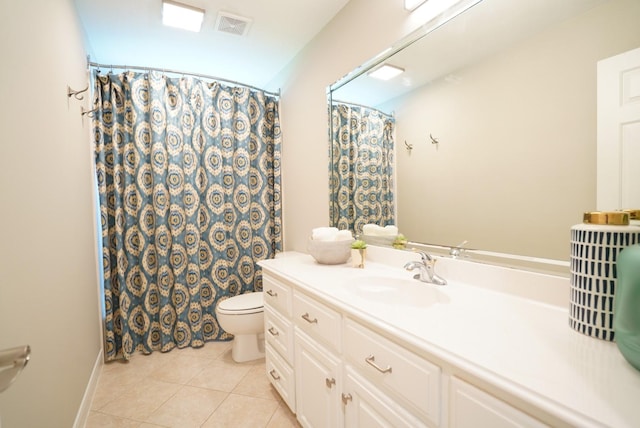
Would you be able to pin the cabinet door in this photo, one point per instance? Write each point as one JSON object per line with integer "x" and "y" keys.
{"x": 318, "y": 384}
{"x": 366, "y": 406}
{"x": 472, "y": 407}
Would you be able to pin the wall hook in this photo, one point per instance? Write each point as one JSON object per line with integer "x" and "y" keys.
{"x": 433, "y": 140}
{"x": 76, "y": 94}
{"x": 88, "y": 113}
{"x": 409, "y": 146}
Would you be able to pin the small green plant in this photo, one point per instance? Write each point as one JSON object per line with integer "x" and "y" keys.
{"x": 400, "y": 242}
{"x": 359, "y": 245}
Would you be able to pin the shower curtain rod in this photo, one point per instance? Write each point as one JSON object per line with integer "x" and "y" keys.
{"x": 186, "y": 73}
{"x": 363, "y": 106}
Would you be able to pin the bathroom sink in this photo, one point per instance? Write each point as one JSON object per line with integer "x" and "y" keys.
{"x": 397, "y": 291}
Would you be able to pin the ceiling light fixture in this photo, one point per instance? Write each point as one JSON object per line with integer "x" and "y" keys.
{"x": 183, "y": 16}
{"x": 386, "y": 72}
{"x": 411, "y": 5}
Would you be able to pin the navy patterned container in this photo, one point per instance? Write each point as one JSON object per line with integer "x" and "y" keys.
{"x": 594, "y": 251}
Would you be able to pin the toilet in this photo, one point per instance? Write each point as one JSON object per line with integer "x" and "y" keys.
{"x": 243, "y": 316}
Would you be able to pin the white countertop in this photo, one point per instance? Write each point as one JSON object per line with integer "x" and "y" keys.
{"x": 522, "y": 346}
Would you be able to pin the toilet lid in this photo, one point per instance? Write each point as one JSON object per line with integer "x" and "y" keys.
{"x": 242, "y": 302}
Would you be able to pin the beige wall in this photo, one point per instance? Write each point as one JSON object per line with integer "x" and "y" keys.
{"x": 48, "y": 283}
{"x": 516, "y": 165}
{"x": 361, "y": 30}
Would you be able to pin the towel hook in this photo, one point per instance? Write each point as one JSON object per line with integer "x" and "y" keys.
{"x": 88, "y": 113}
{"x": 409, "y": 146}
{"x": 76, "y": 94}
{"x": 433, "y": 140}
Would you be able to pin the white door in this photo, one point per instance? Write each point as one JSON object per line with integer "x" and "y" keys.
{"x": 618, "y": 176}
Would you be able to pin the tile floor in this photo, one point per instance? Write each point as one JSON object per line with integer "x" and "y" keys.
{"x": 187, "y": 388}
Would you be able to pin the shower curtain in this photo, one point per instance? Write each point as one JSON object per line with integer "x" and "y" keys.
{"x": 188, "y": 177}
{"x": 361, "y": 168}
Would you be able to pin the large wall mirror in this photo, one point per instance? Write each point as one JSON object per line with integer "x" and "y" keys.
{"x": 493, "y": 121}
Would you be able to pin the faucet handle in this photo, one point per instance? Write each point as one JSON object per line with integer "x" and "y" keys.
{"x": 458, "y": 249}
{"x": 423, "y": 255}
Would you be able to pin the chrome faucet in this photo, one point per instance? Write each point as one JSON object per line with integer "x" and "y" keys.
{"x": 458, "y": 250}
{"x": 426, "y": 269}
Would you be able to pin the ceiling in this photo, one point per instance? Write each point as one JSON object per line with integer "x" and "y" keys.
{"x": 130, "y": 32}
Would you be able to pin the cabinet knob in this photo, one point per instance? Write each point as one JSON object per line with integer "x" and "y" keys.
{"x": 371, "y": 361}
{"x": 272, "y": 293}
{"x": 274, "y": 374}
{"x": 308, "y": 319}
{"x": 346, "y": 398}
{"x": 273, "y": 331}
{"x": 330, "y": 382}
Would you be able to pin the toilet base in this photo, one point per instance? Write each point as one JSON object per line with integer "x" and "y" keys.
{"x": 247, "y": 347}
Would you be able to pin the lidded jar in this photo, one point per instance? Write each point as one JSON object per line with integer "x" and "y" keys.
{"x": 595, "y": 246}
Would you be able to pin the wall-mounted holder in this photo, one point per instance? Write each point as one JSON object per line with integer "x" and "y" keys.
{"x": 433, "y": 140}
{"x": 76, "y": 94}
{"x": 409, "y": 147}
{"x": 88, "y": 113}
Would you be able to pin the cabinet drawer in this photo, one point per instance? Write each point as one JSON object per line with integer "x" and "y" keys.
{"x": 278, "y": 332}
{"x": 277, "y": 295}
{"x": 366, "y": 406}
{"x": 281, "y": 376}
{"x": 472, "y": 407}
{"x": 317, "y": 320}
{"x": 392, "y": 368}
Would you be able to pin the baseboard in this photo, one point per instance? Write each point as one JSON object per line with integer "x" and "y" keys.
{"x": 85, "y": 406}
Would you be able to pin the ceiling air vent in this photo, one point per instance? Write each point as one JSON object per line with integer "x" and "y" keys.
{"x": 232, "y": 24}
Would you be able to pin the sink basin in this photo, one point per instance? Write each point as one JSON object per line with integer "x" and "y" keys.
{"x": 397, "y": 291}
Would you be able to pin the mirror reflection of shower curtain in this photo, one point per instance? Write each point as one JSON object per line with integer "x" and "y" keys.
{"x": 361, "y": 167}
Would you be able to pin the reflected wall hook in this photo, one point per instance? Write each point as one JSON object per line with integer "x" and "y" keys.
{"x": 88, "y": 113}
{"x": 76, "y": 94}
{"x": 409, "y": 146}
{"x": 433, "y": 140}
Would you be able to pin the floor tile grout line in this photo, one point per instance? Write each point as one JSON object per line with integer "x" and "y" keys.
{"x": 222, "y": 356}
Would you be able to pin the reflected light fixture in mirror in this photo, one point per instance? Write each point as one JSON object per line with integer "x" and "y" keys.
{"x": 411, "y": 5}
{"x": 386, "y": 72}
{"x": 182, "y": 16}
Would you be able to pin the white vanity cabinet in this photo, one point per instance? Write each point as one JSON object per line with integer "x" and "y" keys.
{"x": 334, "y": 370}
{"x": 343, "y": 373}
{"x": 372, "y": 348}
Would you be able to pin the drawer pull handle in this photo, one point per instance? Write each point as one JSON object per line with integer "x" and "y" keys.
{"x": 308, "y": 319}
{"x": 272, "y": 293}
{"x": 346, "y": 398}
{"x": 274, "y": 374}
{"x": 371, "y": 361}
{"x": 273, "y": 331}
{"x": 330, "y": 382}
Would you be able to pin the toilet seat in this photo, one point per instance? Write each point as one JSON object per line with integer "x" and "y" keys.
{"x": 242, "y": 304}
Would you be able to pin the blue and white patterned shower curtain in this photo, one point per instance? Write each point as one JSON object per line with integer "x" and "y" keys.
{"x": 361, "y": 168}
{"x": 188, "y": 176}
